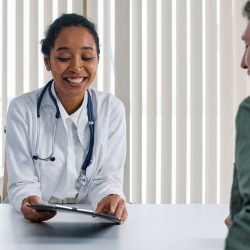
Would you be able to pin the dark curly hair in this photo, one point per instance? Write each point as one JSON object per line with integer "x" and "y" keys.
{"x": 67, "y": 20}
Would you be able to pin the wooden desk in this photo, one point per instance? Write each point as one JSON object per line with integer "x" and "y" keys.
{"x": 172, "y": 227}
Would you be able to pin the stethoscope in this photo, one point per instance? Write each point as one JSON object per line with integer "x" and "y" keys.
{"x": 82, "y": 179}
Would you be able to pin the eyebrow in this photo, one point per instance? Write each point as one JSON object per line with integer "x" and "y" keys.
{"x": 67, "y": 48}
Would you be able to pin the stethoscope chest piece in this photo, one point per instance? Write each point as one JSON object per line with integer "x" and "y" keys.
{"x": 81, "y": 180}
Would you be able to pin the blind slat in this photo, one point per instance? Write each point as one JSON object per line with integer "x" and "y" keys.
{"x": 48, "y": 18}
{"x": 151, "y": 102}
{"x": 122, "y": 76}
{"x": 107, "y": 49}
{"x": 211, "y": 133}
{"x": 166, "y": 102}
{"x": 33, "y": 45}
{"x": 226, "y": 101}
{"x": 78, "y": 6}
{"x": 92, "y": 15}
{"x": 181, "y": 100}
{"x": 19, "y": 47}
{"x": 196, "y": 96}
{"x": 136, "y": 101}
{"x": 62, "y": 7}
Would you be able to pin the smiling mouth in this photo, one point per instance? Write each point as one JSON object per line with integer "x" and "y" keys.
{"x": 76, "y": 81}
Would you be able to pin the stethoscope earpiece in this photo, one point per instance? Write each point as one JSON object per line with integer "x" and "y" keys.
{"x": 52, "y": 159}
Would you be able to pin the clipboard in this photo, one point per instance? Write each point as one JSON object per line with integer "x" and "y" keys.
{"x": 60, "y": 208}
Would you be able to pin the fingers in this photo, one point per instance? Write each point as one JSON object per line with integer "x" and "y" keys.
{"x": 119, "y": 208}
{"x": 108, "y": 204}
{"x": 114, "y": 205}
{"x": 31, "y": 214}
{"x": 124, "y": 215}
{"x": 228, "y": 221}
{"x": 102, "y": 206}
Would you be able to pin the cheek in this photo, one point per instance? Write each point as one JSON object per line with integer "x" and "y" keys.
{"x": 57, "y": 69}
{"x": 92, "y": 69}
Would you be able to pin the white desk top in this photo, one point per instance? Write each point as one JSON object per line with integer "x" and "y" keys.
{"x": 173, "y": 227}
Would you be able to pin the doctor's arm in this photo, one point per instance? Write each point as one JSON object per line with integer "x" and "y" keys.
{"x": 23, "y": 185}
{"x": 106, "y": 191}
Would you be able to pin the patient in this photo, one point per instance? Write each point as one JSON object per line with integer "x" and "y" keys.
{"x": 239, "y": 220}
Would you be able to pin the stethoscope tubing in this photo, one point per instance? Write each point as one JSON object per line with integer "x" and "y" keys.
{"x": 51, "y": 157}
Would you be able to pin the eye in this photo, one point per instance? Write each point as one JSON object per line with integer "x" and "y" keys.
{"x": 63, "y": 59}
{"x": 86, "y": 58}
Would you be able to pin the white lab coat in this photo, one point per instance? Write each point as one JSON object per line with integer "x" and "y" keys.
{"x": 35, "y": 177}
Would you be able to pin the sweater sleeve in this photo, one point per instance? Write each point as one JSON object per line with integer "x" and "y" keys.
{"x": 238, "y": 235}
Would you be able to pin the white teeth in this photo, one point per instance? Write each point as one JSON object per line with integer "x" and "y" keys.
{"x": 75, "y": 80}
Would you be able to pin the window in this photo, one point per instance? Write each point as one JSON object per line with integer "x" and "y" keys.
{"x": 174, "y": 64}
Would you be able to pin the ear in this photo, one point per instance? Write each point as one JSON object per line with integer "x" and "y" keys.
{"x": 47, "y": 62}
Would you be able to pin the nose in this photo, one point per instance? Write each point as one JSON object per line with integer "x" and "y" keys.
{"x": 76, "y": 65}
{"x": 243, "y": 61}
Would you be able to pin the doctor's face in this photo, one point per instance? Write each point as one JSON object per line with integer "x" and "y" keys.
{"x": 73, "y": 62}
{"x": 245, "y": 63}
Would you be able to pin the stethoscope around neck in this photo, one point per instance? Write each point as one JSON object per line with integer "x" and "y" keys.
{"x": 51, "y": 156}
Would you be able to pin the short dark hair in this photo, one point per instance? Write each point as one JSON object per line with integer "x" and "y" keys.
{"x": 246, "y": 10}
{"x": 67, "y": 20}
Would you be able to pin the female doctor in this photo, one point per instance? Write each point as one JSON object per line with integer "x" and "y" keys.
{"x": 66, "y": 143}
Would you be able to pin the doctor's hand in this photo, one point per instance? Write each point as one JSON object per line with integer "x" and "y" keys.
{"x": 114, "y": 205}
{"x": 31, "y": 214}
{"x": 228, "y": 221}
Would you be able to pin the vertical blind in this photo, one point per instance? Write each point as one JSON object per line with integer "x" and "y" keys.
{"x": 175, "y": 64}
